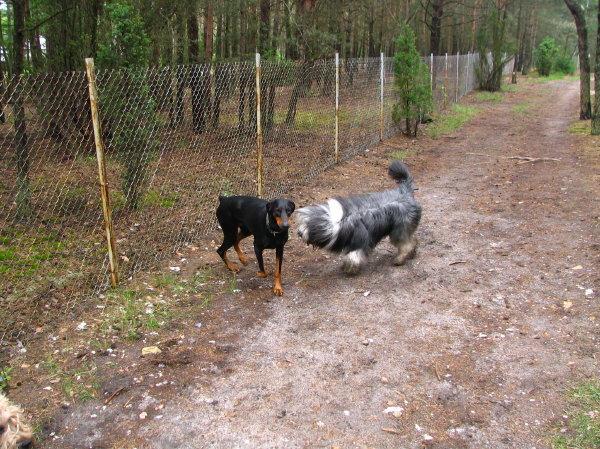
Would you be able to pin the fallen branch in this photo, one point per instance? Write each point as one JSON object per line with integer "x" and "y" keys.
{"x": 390, "y": 430}
{"x": 437, "y": 372}
{"x": 117, "y": 392}
{"x": 523, "y": 159}
{"x": 456, "y": 262}
{"x": 526, "y": 159}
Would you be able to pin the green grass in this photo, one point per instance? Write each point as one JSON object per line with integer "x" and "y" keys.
{"x": 233, "y": 284}
{"x": 80, "y": 383}
{"x": 400, "y": 154}
{"x": 226, "y": 187}
{"x": 581, "y": 127}
{"x": 583, "y": 431}
{"x": 509, "y": 88}
{"x": 451, "y": 121}
{"x": 521, "y": 108}
{"x": 21, "y": 255}
{"x": 556, "y": 76}
{"x": 492, "y": 97}
{"x": 5, "y": 377}
{"x": 152, "y": 198}
{"x": 165, "y": 280}
{"x": 130, "y": 315}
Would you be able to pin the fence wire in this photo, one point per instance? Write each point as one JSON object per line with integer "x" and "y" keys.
{"x": 176, "y": 138}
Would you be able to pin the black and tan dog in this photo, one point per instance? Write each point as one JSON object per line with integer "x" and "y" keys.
{"x": 267, "y": 221}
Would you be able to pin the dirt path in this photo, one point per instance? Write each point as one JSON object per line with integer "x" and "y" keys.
{"x": 475, "y": 340}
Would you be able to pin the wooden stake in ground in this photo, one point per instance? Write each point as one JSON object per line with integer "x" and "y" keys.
{"x": 381, "y": 79}
{"x": 259, "y": 136}
{"x": 337, "y": 107}
{"x": 108, "y": 226}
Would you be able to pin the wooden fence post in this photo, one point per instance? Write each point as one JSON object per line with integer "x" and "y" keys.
{"x": 108, "y": 225}
{"x": 337, "y": 107}
{"x": 381, "y": 81}
{"x": 259, "y": 135}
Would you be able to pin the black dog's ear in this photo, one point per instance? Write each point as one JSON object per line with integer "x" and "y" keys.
{"x": 270, "y": 206}
{"x": 291, "y": 207}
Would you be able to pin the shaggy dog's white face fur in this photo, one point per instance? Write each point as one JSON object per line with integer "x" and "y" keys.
{"x": 14, "y": 432}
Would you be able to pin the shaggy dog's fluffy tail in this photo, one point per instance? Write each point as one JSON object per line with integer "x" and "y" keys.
{"x": 347, "y": 224}
{"x": 398, "y": 171}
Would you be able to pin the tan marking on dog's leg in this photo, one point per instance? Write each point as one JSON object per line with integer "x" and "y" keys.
{"x": 277, "y": 288}
{"x": 238, "y": 250}
{"x": 261, "y": 274}
{"x": 406, "y": 250}
{"x": 230, "y": 265}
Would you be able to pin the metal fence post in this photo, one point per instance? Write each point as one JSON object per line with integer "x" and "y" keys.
{"x": 259, "y": 136}
{"x": 108, "y": 225}
{"x": 446, "y": 70}
{"x": 457, "y": 75}
{"x": 468, "y": 72}
{"x": 431, "y": 71}
{"x": 381, "y": 81}
{"x": 337, "y": 107}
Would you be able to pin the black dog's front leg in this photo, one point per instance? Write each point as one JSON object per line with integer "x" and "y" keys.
{"x": 277, "y": 288}
{"x": 259, "y": 258}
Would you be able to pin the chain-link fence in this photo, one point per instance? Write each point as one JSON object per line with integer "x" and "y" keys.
{"x": 175, "y": 138}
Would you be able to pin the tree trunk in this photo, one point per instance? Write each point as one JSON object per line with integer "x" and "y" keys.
{"x": 3, "y": 56}
{"x": 584, "y": 60}
{"x": 22, "y": 156}
{"x": 178, "y": 82}
{"x": 371, "y": 43}
{"x": 596, "y": 115}
{"x": 302, "y": 80}
{"x": 518, "y": 40}
{"x": 436, "y": 26}
{"x": 204, "y": 96}
{"x": 195, "y": 72}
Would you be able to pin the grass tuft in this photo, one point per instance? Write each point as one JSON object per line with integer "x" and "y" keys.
{"x": 5, "y": 377}
{"x": 556, "y": 76}
{"x": 521, "y": 108}
{"x": 581, "y": 127}
{"x": 166, "y": 200}
{"x": 492, "y": 97}
{"x": 509, "y": 88}
{"x": 400, "y": 154}
{"x": 452, "y": 121}
{"x": 583, "y": 431}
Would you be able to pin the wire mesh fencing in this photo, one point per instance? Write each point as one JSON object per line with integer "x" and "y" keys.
{"x": 175, "y": 138}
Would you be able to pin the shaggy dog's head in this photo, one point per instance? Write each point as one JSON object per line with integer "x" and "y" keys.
{"x": 14, "y": 432}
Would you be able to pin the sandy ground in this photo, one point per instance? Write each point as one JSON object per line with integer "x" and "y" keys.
{"x": 469, "y": 345}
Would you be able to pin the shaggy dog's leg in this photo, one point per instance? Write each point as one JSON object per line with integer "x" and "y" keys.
{"x": 406, "y": 249}
{"x": 354, "y": 261}
{"x": 14, "y": 432}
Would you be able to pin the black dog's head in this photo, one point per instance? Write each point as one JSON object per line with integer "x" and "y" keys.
{"x": 279, "y": 210}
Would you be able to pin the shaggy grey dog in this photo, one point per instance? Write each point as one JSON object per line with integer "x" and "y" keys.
{"x": 14, "y": 432}
{"x": 353, "y": 226}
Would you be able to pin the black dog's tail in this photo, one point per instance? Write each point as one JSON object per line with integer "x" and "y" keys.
{"x": 399, "y": 172}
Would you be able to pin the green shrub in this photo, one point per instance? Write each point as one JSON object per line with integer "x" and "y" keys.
{"x": 545, "y": 56}
{"x": 411, "y": 83}
{"x": 564, "y": 64}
